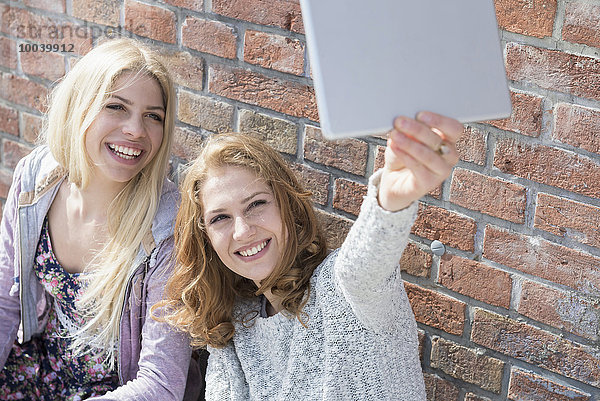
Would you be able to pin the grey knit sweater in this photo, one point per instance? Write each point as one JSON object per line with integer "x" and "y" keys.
{"x": 361, "y": 339}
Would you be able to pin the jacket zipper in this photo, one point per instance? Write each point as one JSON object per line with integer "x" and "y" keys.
{"x": 22, "y": 323}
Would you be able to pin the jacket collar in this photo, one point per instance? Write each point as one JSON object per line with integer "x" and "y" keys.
{"x": 43, "y": 185}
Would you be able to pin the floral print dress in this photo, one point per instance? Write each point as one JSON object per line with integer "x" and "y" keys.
{"x": 44, "y": 368}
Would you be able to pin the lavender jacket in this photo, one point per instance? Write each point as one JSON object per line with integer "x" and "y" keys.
{"x": 154, "y": 359}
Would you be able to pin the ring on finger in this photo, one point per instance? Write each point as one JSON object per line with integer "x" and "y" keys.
{"x": 443, "y": 149}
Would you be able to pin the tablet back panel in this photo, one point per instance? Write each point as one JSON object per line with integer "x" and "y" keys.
{"x": 372, "y": 61}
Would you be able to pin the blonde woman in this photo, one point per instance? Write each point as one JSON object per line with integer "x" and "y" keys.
{"x": 86, "y": 239}
{"x": 282, "y": 319}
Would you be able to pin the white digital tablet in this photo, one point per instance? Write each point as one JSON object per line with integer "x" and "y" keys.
{"x": 374, "y": 60}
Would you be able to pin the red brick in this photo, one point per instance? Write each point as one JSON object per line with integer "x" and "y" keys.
{"x": 47, "y": 65}
{"x": 529, "y": 386}
{"x": 209, "y": 36}
{"x": 9, "y": 120}
{"x": 550, "y": 166}
{"x": 421, "y": 339}
{"x": 541, "y": 258}
{"x": 274, "y": 51}
{"x": 195, "y": 5}
{"x": 150, "y": 21}
{"x": 314, "y": 181}
{"x": 475, "y": 280}
{"x": 453, "y": 229}
{"x": 436, "y": 310}
{"x": 24, "y": 24}
{"x": 285, "y": 14}
{"x": 272, "y": 93}
{"x": 104, "y": 12}
{"x": 535, "y": 346}
{"x": 31, "y": 128}
{"x": 204, "y": 112}
{"x": 532, "y": 18}
{"x": 436, "y": 192}
{"x": 13, "y": 152}
{"x": 415, "y": 261}
{"x": 348, "y": 195}
{"x": 565, "y": 310}
{"x": 348, "y": 154}
{"x": 186, "y": 144}
{"x": 438, "y": 389}
{"x": 472, "y": 145}
{"x": 380, "y": 163}
{"x": 379, "y": 158}
{"x": 573, "y": 125}
{"x": 467, "y": 364}
{"x": 335, "y": 228}
{"x": 5, "y": 183}
{"x": 526, "y": 117}
{"x": 568, "y": 218}
{"x": 22, "y": 91}
{"x": 489, "y": 195}
{"x": 57, "y": 6}
{"x": 8, "y": 48}
{"x": 185, "y": 69}
{"x": 554, "y": 70}
{"x": 279, "y": 134}
{"x": 582, "y": 22}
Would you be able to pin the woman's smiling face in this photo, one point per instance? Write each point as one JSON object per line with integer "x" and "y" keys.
{"x": 127, "y": 133}
{"x": 243, "y": 221}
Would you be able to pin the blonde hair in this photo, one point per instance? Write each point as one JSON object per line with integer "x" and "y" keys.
{"x": 74, "y": 104}
{"x": 201, "y": 293}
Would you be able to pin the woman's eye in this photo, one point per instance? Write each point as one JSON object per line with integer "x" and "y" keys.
{"x": 155, "y": 117}
{"x": 257, "y": 203}
{"x": 115, "y": 106}
{"x": 217, "y": 218}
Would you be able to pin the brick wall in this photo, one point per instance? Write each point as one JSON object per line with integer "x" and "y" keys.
{"x": 512, "y": 310}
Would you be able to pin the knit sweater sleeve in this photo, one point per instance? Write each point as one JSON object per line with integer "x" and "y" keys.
{"x": 367, "y": 270}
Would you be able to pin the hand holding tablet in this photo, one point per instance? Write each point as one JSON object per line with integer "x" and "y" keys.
{"x": 419, "y": 156}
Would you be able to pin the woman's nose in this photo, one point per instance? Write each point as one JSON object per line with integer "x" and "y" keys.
{"x": 242, "y": 229}
{"x": 134, "y": 126}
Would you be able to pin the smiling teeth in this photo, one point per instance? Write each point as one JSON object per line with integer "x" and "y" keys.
{"x": 125, "y": 152}
{"x": 255, "y": 250}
